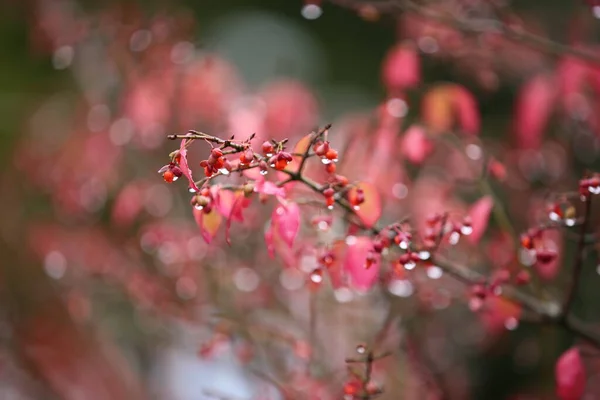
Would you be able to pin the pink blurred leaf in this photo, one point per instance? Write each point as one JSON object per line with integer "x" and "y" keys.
{"x": 498, "y": 313}
{"x": 416, "y": 147}
{"x": 265, "y": 187}
{"x": 569, "y": 373}
{"x": 185, "y": 168}
{"x": 401, "y": 67}
{"x": 269, "y": 241}
{"x": 534, "y": 105}
{"x": 355, "y": 261}
{"x": 552, "y": 243}
{"x": 208, "y": 223}
{"x": 286, "y": 218}
{"x": 467, "y": 111}
{"x": 480, "y": 216}
{"x": 128, "y": 205}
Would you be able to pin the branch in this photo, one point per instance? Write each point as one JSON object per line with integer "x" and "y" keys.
{"x": 579, "y": 258}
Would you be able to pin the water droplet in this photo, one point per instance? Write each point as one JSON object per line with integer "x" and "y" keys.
{"x": 570, "y": 221}
{"x": 191, "y": 190}
{"x": 466, "y": 230}
{"x": 454, "y": 238}
{"x": 356, "y": 208}
{"x": 343, "y": 295}
{"x": 317, "y": 275}
{"x": 403, "y": 244}
{"x": 401, "y": 288}
{"x": 473, "y": 151}
{"x": 198, "y": 207}
{"x": 424, "y": 255}
{"x": 323, "y": 225}
{"x": 311, "y": 11}
{"x": 554, "y": 216}
{"x": 410, "y": 265}
{"x": 396, "y": 107}
{"x": 246, "y": 279}
{"x": 264, "y": 172}
{"x": 330, "y": 207}
{"x": 55, "y": 264}
{"x": 175, "y": 177}
{"x": 325, "y": 161}
{"x": 224, "y": 171}
{"x": 434, "y": 272}
{"x": 511, "y": 323}
{"x": 63, "y": 57}
{"x": 594, "y": 189}
{"x": 361, "y": 349}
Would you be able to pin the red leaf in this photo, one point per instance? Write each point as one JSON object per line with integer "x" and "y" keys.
{"x": 370, "y": 210}
{"x": 480, "y": 216}
{"x": 415, "y": 144}
{"x": 286, "y": 219}
{"x": 208, "y": 223}
{"x": 355, "y": 261}
{"x": 534, "y": 106}
{"x": 185, "y": 168}
{"x": 570, "y": 376}
{"x": 401, "y": 68}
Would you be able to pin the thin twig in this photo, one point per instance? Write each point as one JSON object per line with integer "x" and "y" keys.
{"x": 579, "y": 258}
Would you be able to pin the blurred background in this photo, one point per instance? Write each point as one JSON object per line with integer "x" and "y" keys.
{"x": 107, "y": 289}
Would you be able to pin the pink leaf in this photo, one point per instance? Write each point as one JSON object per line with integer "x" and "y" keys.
{"x": 480, "y": 216}
{"x": 185, "y": 168}
{"x": 570, "y": 377}
{"x": 401, "y": 68}
{"x": 534, "y": 106}
{"x": 416, "y": 147}
{"x": 269, "y": 188}
{"x": 286, "y": 217}
{"x": 355, "y": 262}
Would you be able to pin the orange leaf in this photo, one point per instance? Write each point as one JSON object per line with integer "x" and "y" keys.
{"x": 300, "y": 148}
{"x": 208, "y": 223}
{"x": 370, "y": 210}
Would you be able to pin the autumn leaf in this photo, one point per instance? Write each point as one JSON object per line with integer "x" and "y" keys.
{"x": 569, "y": 373}
{"x": 370, "y": 210}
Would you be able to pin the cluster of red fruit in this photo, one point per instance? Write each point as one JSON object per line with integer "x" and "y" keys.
{"x": 203, "y": 201}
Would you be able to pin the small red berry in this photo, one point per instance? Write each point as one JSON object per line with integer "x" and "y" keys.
{"x": 281, "y": 164}
{"x": 168, "y": 176}
{"x": 267, "y": 148}
{"x": 322, "y": 149}
{"x": 329, "y": 192}
{"x": 330, "y": 168}
{"x": 332, "y": 155}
